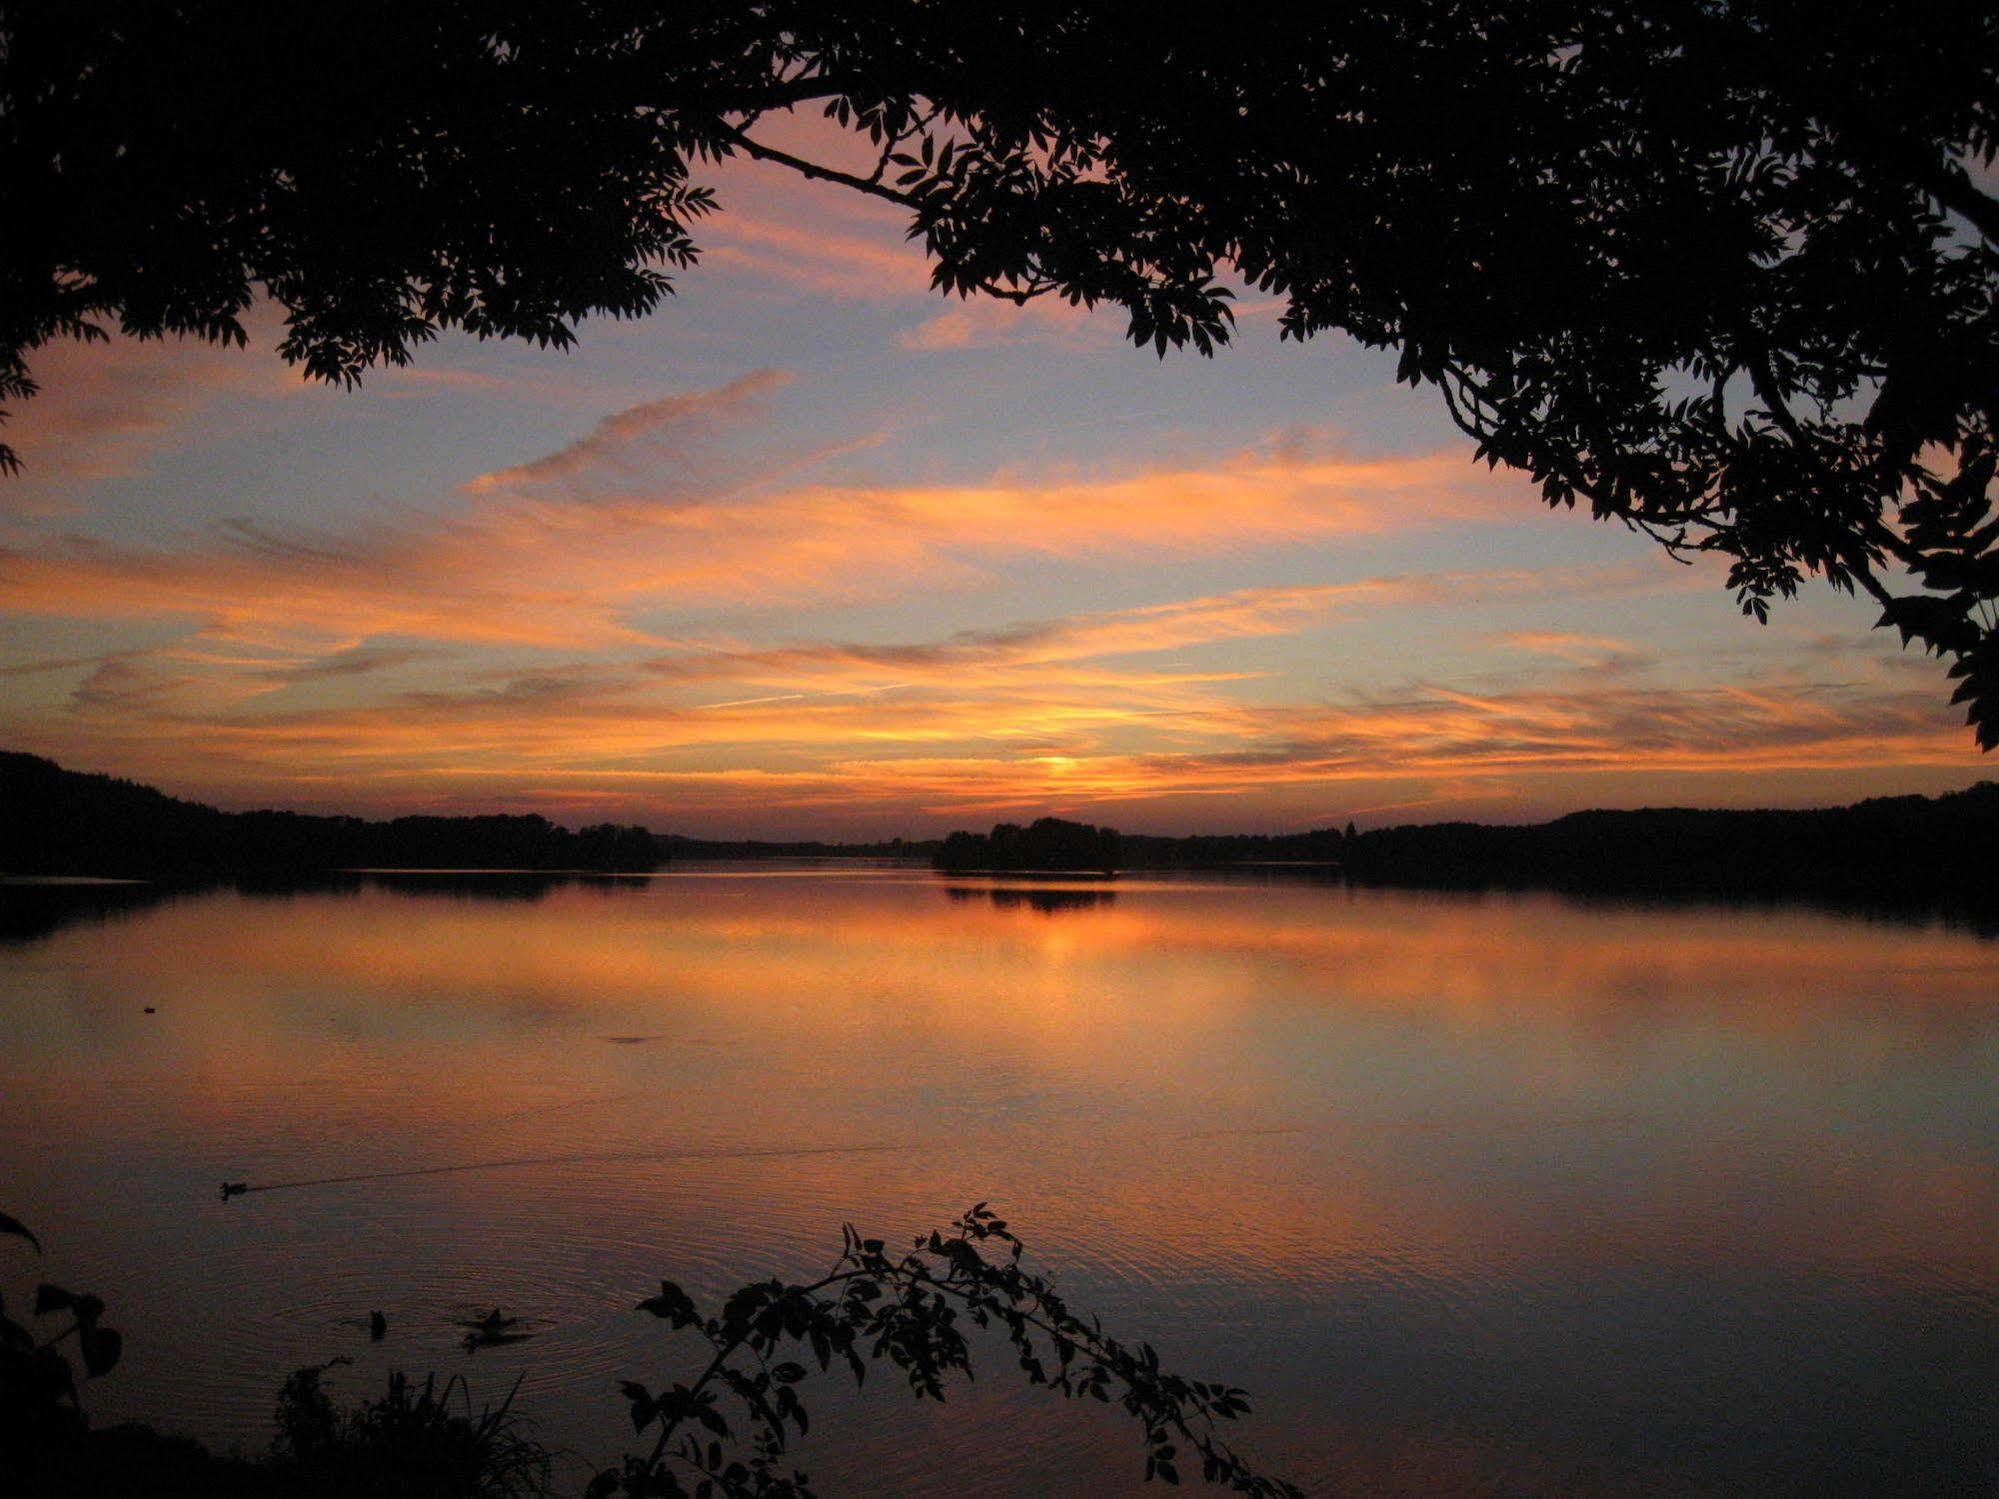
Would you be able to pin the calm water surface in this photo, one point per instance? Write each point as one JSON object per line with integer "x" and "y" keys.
{"x": 1500, "y": 1195}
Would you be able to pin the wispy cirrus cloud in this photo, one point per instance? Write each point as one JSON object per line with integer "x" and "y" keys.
{"x": 1603, "y": 654}
{"x": 1029, "y": 649}
{"x": 359, "y": 661}
{"x": 512, "y": 564}
{"x": 984, "y": 323}
{"x": 1342, "y": 758}
{"x": 816, "y": 257}
{"x": 621, "y": 439}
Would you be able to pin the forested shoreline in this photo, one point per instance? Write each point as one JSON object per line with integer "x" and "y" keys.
{"x": 1904, "y": 852}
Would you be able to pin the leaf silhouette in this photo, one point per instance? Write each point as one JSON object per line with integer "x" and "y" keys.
{"x": 19, "y": 1230}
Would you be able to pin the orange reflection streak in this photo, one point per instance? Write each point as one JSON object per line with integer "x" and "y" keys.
{"x": 724, "y": 950}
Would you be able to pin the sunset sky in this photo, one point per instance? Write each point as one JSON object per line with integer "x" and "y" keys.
{"x": 814, "y": 552}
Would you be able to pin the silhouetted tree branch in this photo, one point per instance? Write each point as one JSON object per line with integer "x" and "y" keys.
{"x": 729, "y": 1428}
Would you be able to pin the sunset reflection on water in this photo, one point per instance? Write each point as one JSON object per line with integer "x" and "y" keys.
{"x": 1479, "y": 1194}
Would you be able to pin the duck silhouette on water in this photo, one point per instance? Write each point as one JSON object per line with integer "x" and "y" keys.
{"x": 493, "y": 1329}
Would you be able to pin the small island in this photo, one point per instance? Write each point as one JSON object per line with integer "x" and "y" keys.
{"x": 1046, "y": 845}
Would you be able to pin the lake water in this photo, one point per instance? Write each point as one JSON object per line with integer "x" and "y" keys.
{"x": 1483, "y": 1195}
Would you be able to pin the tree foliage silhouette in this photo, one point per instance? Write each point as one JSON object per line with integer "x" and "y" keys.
{"x": 1722, "y": 270}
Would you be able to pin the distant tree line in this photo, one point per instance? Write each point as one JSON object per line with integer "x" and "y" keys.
{"x": 1906, "y": 852}
{"x": 64, "y": 822}
{"x": 679, "y": 846}
{"x": 1052, "y": 843}
{"x": 1211, "y": 850}
{"x": 1897, "y": 850}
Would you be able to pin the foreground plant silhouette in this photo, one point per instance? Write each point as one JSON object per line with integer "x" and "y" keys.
{"x": 728, "y": 1429}
{"x": 38, "y": 1396}
{"x": 412, "y": 1440}
{"x": 409, "y": 1444}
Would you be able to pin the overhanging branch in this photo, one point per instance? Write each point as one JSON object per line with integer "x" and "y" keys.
{"x": 758, "y": 151}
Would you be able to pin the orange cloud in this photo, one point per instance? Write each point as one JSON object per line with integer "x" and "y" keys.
{"x": 1023, "y": 653}
{"x": 815, "y": 257}
{"x": 105, "y": 407}
{"x": 960, "y": 735}
{"x": 510, "y": 566}
{"x": 1596, "y": 653}
{"x": 310, "y": 665}
{"x": 986, "y": 322}
{"x": 1051, "y": 686}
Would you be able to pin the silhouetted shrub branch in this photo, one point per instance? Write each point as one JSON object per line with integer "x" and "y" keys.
{"x": 729, "y": 1428}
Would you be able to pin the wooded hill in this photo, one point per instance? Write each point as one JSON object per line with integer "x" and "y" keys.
{"x": 1892, "y": 849}
{"x": 66, "y": 822}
